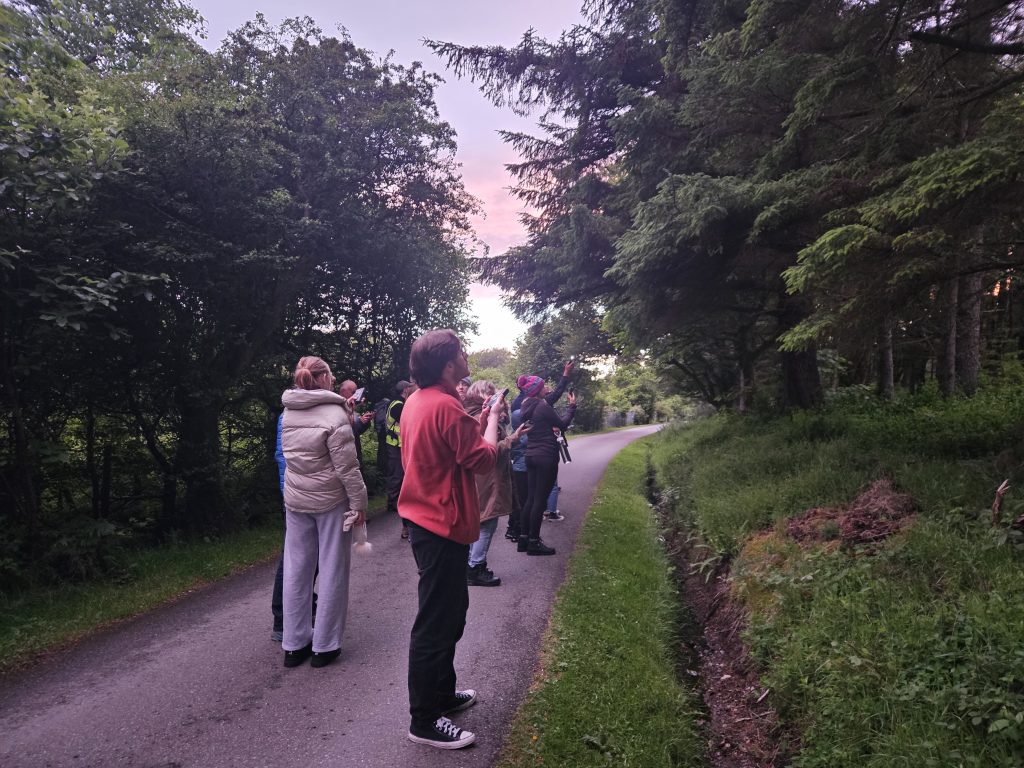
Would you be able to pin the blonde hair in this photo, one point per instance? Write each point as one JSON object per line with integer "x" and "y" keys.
{"x": 312, "y": 373}
{"x": 482, "y": 389}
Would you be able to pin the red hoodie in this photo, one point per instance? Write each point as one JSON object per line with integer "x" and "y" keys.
{"x": 442, "y": 449}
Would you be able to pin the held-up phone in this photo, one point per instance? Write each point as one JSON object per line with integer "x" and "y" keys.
{"x": 357, "y": 396}
{"x": 493, "y": 399}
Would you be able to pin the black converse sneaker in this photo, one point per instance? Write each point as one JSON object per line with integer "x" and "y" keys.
{"x": 443, "y": 734}
{"x": 460, "y": 701}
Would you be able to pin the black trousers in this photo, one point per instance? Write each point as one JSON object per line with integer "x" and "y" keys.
{"x": 540, "y": 478}
{"x": 522, "y": 496}
{"x": 440, "y": 621}
{"x": 396, "y": 476}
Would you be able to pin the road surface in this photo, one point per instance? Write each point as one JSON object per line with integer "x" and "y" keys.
{"x": 199, "y": 683}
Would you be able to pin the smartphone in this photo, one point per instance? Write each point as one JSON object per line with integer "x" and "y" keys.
{"x": 493, "y": 399}
{"x": 357, "y": 396}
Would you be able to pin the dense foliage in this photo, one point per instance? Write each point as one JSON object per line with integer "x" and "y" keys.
{"x": 755, "y": 190}
{"x": 177, "y": 227}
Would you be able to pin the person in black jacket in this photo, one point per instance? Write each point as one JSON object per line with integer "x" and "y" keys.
{"x": 541, "y": 458}
{"x": 518, "y": 453}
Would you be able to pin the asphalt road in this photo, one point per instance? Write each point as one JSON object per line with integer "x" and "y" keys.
{"x": 199, "y": 682}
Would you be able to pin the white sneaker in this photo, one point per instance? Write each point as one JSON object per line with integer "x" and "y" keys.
{"x": 443, "y": 734}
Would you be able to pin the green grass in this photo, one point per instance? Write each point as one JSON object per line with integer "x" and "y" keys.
{"x": 40, "y": 620}
{"x": 608, "y": 692}
{"x": 35, "y": 621}
{"x": 909, "y": 655}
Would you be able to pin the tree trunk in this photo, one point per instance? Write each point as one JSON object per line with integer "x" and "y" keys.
{"x": 105, "y": 481}
{"x": 945, "y": 364}
{"x": 90, "y": 459}
{"x": 25, "y": 471}
{"x": 801, "y": 380}
{"x": 886, "y": 383}
{"x": 968, "y": 332}
{"x": 198, "y": 463}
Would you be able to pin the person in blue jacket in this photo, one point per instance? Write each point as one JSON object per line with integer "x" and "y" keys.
{"x": 277, "y": 597}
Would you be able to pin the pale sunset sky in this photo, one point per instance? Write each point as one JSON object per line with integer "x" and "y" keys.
{"x": 402, "y": 25}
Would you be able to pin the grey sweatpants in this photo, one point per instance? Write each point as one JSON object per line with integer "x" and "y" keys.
{"x": 312, "y": 538}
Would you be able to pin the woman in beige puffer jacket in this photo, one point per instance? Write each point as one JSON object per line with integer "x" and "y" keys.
{"x": 324, "y": 497}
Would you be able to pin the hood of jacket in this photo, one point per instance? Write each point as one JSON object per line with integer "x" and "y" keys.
{"x": 473, "y": 404}
{"x": 528, "y": 407}
{"x": 301, "y": 399}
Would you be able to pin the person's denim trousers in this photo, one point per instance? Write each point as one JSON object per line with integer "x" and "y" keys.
{"x": 478, "y": 550}
{"x": 552, "y": 506}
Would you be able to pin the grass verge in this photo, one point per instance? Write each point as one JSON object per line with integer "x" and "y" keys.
{"x": 40, "y": 620}
{"x": 608, "y": 692}
{"x": 903, "y": 654}
{"x": 36, "y": 621}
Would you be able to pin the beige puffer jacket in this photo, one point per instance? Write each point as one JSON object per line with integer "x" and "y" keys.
{"x": 322, "y": 471}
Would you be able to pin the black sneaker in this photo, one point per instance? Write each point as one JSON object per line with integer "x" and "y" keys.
{"x": 538, "y": 547}
{"x": 443, "y": 734}
{"x": 512, "y": 534}
{"x": 523, "y": 543}
{"x": 554, "y": 517}
{"x": 294, "y": 658}
{"x": 323, "y": 658}
{"x": 460, "y": 701}
{"x": 481, "y": 576}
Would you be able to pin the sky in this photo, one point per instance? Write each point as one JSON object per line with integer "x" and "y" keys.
{"x": 401, "y": 26}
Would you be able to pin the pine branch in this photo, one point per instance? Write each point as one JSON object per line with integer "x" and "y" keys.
{"x": 991, "y": 49}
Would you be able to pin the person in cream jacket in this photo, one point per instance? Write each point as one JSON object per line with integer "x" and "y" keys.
{"x": 324, "y": 496}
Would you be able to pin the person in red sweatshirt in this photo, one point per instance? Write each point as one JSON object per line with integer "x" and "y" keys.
{"x": 443, "y": 447}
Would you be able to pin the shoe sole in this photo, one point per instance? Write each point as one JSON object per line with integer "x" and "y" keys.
{"x": 470, "y": 738}
{"x": 495, "y": 583}
{"x": 539, "y": 554}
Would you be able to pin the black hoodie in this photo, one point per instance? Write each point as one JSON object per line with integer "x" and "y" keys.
{"x": 541, "y": 443}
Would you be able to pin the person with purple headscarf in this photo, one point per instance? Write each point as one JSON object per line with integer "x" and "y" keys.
{"x": 542, "y": 455}
{"x": 518, "y": 452}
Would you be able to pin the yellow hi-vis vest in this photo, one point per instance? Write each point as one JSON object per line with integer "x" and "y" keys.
{"x": 392, "y": 428}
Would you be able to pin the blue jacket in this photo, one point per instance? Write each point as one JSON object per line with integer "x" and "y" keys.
{"x": 518, "y": 450}
{"x": 278, "y": 453}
